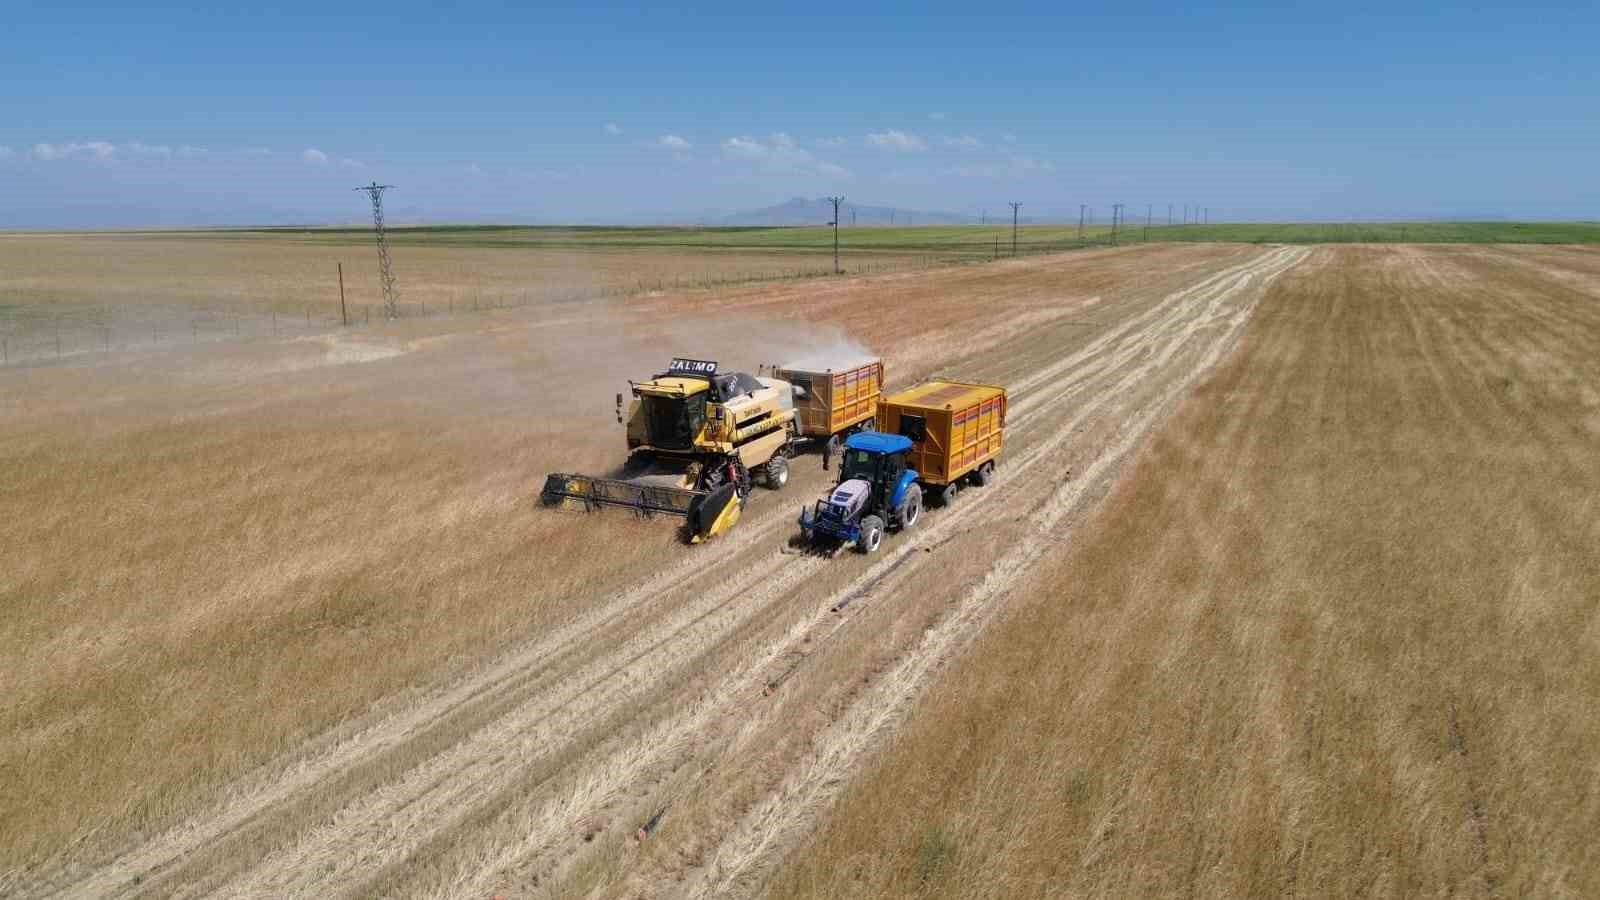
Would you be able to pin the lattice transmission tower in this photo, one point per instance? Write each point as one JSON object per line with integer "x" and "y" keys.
{"x": 391, "y": 298}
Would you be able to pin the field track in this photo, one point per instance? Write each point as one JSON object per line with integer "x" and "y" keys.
{"x": 684, "y": 693}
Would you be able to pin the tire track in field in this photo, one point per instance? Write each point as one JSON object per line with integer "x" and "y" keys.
{"x": 779, "y": 820}
{"x": 498, "y": 688}
{"x": 449, "y": 779}
{"x": 542, "y": 826}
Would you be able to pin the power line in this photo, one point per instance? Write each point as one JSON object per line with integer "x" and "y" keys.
{"x": 835, "y": 223}
{"x": 1014, "y": 208}
{"x": 391, "y": 299}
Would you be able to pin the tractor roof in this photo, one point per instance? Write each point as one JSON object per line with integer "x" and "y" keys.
{"x": 878, "y": 442}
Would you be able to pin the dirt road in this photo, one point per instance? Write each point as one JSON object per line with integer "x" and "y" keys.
{"x": 713, "y": 706}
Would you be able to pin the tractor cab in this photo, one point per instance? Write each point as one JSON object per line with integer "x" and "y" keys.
{"x": 877, "y": 459}
{"x": 876, "y": 491}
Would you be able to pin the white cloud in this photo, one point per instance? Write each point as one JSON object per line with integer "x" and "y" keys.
{"x": 671, "y": 142}
{"x": 349, "y": 163}
{"x": 899, "y": 141}
{"x": 314, "y": 156}
{"x": 937, "y": 116}
{"x": 7, "y": 152}
{"x": 1009, "y": 138}
{"x": 158, "y": 151}
{"x": 779, "y": 154}
{"x": 830, "y": 143}
{"x": 613, "y": 128}
{"x": 257, "y": 151}
{"x": 188, "y": 151}
{"x": 96, "y": 150}
{"x": 546, "y": 174}
{"x": 964, "y": 142}
{"x": 1010, "y": 168}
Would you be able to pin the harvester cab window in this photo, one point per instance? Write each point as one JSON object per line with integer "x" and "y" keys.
{"x": 674, "y": 423}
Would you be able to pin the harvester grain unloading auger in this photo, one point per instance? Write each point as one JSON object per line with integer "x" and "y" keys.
{"x": 712, "y": 432}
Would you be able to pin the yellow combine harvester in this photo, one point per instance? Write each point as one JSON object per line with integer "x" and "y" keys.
{"x": 697, "y": 440}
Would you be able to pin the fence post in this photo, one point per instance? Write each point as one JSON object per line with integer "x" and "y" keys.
{"x": 343, "y": 315}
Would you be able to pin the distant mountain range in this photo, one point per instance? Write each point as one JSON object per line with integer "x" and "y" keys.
{"x": 800, "y": 211}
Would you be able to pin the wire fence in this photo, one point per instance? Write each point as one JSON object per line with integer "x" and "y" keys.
{"x": 33, "y": 332}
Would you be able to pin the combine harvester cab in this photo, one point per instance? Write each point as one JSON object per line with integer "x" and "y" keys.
{"x": 834, "y": 397}
{"x": 697, "y": 439}
{"x": 931, "y": 439}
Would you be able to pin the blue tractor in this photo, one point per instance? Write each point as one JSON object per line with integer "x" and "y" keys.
{"x": 876, "y": 492}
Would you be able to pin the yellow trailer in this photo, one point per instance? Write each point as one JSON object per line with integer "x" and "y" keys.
{"x": 956, "y": 430}
{"x": 834, "y": 397}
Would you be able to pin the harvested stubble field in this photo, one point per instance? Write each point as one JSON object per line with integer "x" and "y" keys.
{"x": 284, "y": 618}
{"x": 1333, "y": 634}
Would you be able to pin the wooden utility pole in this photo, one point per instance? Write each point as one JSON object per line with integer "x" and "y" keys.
{"x": 1081, "y": 208}
{"x": 1014, "y": 208}
{"x": 344, "y": 315}
{"x": 835, "y": 223}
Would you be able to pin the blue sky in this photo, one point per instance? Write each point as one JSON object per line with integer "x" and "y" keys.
{"x": 161, "y": 114}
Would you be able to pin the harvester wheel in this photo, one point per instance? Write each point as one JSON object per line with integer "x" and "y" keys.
{"x": 871, "y": 535}
{"x": 910, "y": 507}
{"x": 777, "y": 473}
{"x": 947, "y": 494}
{"x": 984, "y": 474}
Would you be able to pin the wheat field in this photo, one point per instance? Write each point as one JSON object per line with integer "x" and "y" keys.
{"x": 1334, "y": 634}
{"x": 1285, "y": 584}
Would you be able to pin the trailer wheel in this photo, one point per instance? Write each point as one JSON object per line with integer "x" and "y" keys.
{"x": 947, "y": 494}
{"x": 910, "y": 507}
{"x": 777, "y": 473}
{"x": 871, "y": 535}
{"x": 984, "y": 474}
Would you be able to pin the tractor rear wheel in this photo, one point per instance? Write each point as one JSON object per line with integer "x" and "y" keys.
{"x": 871, "y": 535}
{"x": 910, "y": 507}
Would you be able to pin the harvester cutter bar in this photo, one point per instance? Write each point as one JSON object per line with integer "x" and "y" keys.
{"x": 589, "y": 493}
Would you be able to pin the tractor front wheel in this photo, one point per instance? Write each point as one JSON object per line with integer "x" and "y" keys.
{"x": 871, "y": 535}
